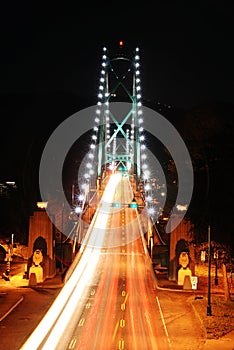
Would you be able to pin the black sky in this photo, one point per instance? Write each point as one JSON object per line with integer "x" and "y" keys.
{"x": 186, "y": 48}
{"x": 186, "y": 51}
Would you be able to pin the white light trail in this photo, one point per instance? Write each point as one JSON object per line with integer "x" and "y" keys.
{"x": 61, "y": 311}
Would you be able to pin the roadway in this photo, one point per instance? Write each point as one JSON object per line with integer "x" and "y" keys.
{"x": 109, "y": 299}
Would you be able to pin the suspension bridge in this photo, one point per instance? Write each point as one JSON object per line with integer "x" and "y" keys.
{"x": 109, "y": 298}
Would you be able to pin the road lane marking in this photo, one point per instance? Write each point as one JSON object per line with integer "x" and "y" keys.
{"x": 121, "y": 344}
{"x": 122, "y": 306}
{"x": 87, "y": 306}
{"x": 126, "y": 297}
{"x": 81, "y": 322}
{"x": 163, "y": 321}
{"x": 72, "y": 343}
{"x": 12, "y": 308}
{"x": 122, "y": 323}
{"x": 92, "y": 292}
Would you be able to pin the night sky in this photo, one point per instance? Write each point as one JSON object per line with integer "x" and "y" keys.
{"x": 186, "y": 48}
{"x": 51, "y": 60}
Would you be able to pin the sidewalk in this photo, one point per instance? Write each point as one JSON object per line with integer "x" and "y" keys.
{"x": 11, "y": 292}
{"x": 224, "y": 343}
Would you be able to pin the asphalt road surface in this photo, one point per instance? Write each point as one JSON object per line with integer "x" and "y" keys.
{"x": 111, "y": 301}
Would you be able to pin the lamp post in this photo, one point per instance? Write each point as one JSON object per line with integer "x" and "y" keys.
{"x": 216, "y": 255}
{"x": 209, "y": 313}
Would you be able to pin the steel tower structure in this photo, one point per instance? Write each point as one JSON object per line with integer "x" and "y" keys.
{"x": 119, "y": 137}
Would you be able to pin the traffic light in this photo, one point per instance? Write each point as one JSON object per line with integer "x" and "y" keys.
{"x": 116, "y": 205}
{"x": 133, "y": 205}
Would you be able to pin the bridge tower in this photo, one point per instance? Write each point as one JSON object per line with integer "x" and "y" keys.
{"x": 120, "y": 137}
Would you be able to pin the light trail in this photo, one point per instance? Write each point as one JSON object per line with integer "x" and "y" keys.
{"x": 61, "y": 310}
{"x": 108, "y": 300}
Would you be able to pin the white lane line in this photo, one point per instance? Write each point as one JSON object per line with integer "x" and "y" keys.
{"x": 12, "y": 308}
{"x": 164, "y": 324}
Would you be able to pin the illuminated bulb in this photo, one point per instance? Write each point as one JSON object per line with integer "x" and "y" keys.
{"x": 151, "y": 211}
{"x": 147, "y": 187}
{"x": 78, "y": 210}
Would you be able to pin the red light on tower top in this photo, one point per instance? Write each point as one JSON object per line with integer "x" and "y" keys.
{"x": 121, "y": 43}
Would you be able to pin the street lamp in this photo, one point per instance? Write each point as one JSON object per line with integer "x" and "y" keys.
{"x": 216, "y": 255}
{"x": 209, "y": 313}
